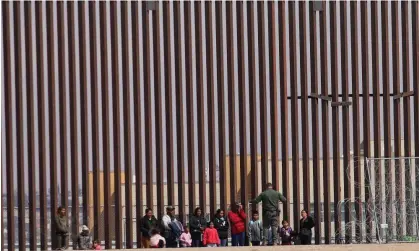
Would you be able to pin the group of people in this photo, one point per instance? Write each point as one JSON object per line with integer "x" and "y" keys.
{"x": 170, "y": 232}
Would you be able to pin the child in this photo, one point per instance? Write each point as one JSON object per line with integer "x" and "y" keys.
{"x": 210, "y": 238}
{"x": 255, "y": 229}
{"x": 156, "y": 240}
{"x": 96, "y": 245}
{"x": 285, "y": 233}
{"x": 186, "y": 238}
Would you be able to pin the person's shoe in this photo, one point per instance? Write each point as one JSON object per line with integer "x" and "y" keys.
{"x": 264, "y": 243}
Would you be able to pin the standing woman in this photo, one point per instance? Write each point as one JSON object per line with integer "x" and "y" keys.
{"x": 306, "y": 224}
{"x": 197, "y": 224}
{"x": 237, "y": 218}
{"x": 221, "y": 224}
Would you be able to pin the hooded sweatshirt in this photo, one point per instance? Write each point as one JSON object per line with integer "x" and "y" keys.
{"x": 237, "y": 221}
{"x": 255, "y": 230}
{"x": 84, "y": 241}
{"x": 211, "y": 237}
{"x": 221, "y": 224}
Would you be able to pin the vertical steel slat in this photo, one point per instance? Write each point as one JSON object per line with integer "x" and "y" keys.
{"x": 30, "y": 96}
{"x": 242, "y": 102}
{"x": 284, "y": 106}
{"x": 200, "y": 104}
{"x": 304, "y": 105}
{"x": 315, "y": 119}
{"x": 158, "y": 111}
{"x": 231, "y": 102}
{"x": 253, "y": 102}
{"x": 273, "y": 94}
{"x": 262, "y": 91}
{"x": 63, "y": 105}
{"x": 212, "y": 168}
{"x": 83, "y": 110}
{"x": 20, "y": 148}
{"x": 95, "y": 123}
{"x": 356, "y": 120}
{"x": 148, "y": 107}
{"x": 136, "y": 52}
{"x": 169, "y": 103}
{"x": 179, "y": 112}
{"x": 52, "y": 114}
{"x": 386, "y": 111}
{"x": 366, "y": 106}
{"x": 325, "y": 124}
{"x": 345, "y": 119}
{"x": 9, "y": 125}
{"x": 127, "y": 132}
{"x": 406, "y": 112}
{"x": 397, "y": 122}
{"x": 294, "y": 113}
{"x": 105, "y": 126}
{"x": 335, "y": 119}
{"x": 41, "y": 125}
{"x": 116, "y": 133}
{"x": 189, "y": 107}
{"x": 221, "y": 104}
{"x": 415, "y": 53}
{"x": 75, "y": 211}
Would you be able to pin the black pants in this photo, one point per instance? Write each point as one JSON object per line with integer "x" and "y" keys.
{"x": 255, "y": 243}
{"x": 305, "y": 239}
{"x": 61, "y": 241}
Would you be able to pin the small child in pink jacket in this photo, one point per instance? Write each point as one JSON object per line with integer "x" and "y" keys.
{"x": 186, "y": 238}
{"x": 96, "y": 245}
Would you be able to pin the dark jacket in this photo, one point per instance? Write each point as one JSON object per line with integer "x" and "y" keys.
{"x": 195, "y": 225}
{"x": 270, "y": 199}
{"x": 222, "y": 225}
{"x": 61, "y": 224}
{"x": 84, "y": 242}
{"x": 306, "y": 225}
{"x": 147, "y": 224}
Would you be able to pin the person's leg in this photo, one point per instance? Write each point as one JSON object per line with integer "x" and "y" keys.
{"x": 223, "y": 242}
{"x": 234, "y": 240}
{"x": 242, "y": 238}
{"x": 266, "y": 227}
{"x": 274, "y": 227}
{"x": 255, "y": 243}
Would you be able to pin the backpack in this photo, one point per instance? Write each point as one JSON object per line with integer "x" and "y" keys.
{"x": 177, "y": 228}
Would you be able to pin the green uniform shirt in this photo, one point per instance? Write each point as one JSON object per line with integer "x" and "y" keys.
{"x": 270, "y": 199}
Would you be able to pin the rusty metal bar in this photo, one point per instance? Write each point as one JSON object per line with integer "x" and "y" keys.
{"x": 211, "y": 108}
{"x": 304, "y": 105}
{"x": 253, "y": 102}
{"x": 263, "y": 93}
{"x": 366, "y": 106}
{"x": 325, "y": 125}
{"x": 189, "y": 107}
{"x": 169, "y": 103}
{"x": 231, "y": 102}
{"x": 30, "y": 97}
{"x": 221, "y": 104}
{"x": 6, "y": 6}
{"x": 345, "y": 118}
{"x": 52, "y": 113}
{"x": 283, "y": 23}
{"x": 396, "y": 89}
{"x": 75, "y": 211}
{"x": 83, "y": 111}
{"x": 40, "y": 60}
{"x": 148, "y": 106}
{"x": 356, "y": 116}
{"x": 315, "y": 119}
{"x": 179, "y": 112}
{"x": 292, "y": 8}
{"x": 386, "y": 109}
{"x": 95, "y": 130}
{"x": 106, "y": 124}
{"x": 63, "y": 105}
{"x": 242, "y": 102}
{"x": 200, "y": 104}
{"x": 158, "y": 111}
{"x": 415, "y": 53}
{"x": 127, "y": 131}
{"x": 136, "y": 51}
{"x": 273, "y": 94}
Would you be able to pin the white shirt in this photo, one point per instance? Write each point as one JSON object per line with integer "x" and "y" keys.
{"x": 166, "y": 220}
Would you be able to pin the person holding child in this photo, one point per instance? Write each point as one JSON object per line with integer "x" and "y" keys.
{"x": 197, "y": 224}
{"x": 255, "y": 229}
{"x": 210, "y": 236}
{"x": 148, "y": 222}
{"x": 222, "y": 226}
{"x": 237, "y": 218}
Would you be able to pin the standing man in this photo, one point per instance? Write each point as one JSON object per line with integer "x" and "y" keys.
{"x": 270, "y": 207}
{"x": 171, "y": 228}
{"x": 62, "y": 227}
